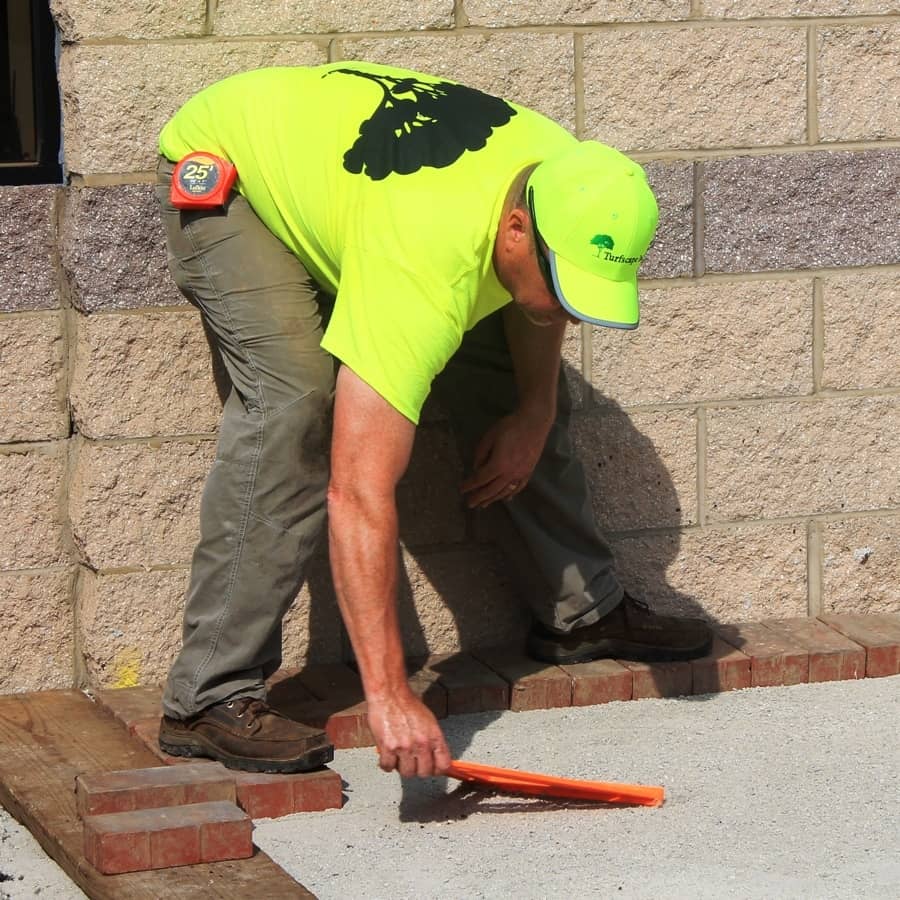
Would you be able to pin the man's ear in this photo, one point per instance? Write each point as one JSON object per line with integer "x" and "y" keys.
{"x": 521, "y": 223}
{"x": 515, "y": 225}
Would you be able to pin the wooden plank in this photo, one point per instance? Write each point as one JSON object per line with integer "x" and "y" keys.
{"x": 48, "y": 738}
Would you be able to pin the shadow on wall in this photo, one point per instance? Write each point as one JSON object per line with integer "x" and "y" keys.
{"x": 634, "y": 497}
{"x": 633, "y": 494}
{"x": 636, "y": 501}
{"x": 632, "y": 490}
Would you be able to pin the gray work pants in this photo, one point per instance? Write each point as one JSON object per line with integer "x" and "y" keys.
{"x": 263, "y": 505}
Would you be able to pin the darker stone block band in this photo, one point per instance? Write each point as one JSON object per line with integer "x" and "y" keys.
{"x": 802, "y": 211}
{"x": 27, "y": 273}
{"x": 763, "y": 213}
{"x": 113, "y": 249}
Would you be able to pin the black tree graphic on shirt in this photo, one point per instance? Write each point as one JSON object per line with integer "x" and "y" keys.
{"x": 420, "y": 123}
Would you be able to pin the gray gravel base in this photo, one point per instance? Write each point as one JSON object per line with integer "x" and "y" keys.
{"x": 25, "y": 870}
{"x": 777, "y": 792}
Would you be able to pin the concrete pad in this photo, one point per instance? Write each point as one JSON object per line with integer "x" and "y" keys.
{"x": 787, "y": 792}
{"x": 771, "y": 792}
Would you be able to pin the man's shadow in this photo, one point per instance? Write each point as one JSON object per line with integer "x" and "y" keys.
{"x": 636, "y": 504}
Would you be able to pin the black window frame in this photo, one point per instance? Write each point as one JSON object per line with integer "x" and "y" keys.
{"x": 46, "y": 167}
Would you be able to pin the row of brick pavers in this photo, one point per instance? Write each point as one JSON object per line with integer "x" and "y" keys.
{"x": 771, "y": 653}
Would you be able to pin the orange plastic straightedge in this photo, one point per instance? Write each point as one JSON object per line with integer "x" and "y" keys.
{"x": 550, "y": 786}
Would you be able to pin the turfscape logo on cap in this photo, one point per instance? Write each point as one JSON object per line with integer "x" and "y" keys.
{"x": 601, "y": 241}
{"x": 604, "y": 243}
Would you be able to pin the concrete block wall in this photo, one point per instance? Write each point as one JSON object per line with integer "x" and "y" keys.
{"x": 742, "y": 444}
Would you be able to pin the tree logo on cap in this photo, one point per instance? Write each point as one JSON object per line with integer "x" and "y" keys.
{"x": 602, "y": 242}
{"x": 421, "y": 124}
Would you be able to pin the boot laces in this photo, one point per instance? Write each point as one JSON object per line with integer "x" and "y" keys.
{"x": 253, "y": 708}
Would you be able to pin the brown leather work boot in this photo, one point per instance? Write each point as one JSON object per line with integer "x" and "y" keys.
{"x": 247, "y": 734}
{"x": 631, "y": 631}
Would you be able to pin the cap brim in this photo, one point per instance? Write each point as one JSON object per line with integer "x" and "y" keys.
{"x": 594, "y": 299}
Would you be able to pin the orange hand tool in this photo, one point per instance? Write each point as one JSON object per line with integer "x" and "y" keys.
{"x": 550, "y": 786}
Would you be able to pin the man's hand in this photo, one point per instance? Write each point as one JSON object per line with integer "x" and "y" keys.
{"x": 509, "y": 451}
{"x": 505, "y": 457}
{"x": 408, "y": 737}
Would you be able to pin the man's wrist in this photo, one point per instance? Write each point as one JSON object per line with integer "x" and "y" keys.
{"x": 388, "y": 695}
{"x": 540, "y": 414}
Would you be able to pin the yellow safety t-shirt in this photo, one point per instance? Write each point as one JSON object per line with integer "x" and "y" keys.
{"x": 388, "y": 186}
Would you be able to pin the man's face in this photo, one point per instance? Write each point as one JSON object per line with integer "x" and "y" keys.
{"x": 536, "y": 297}
{"x": 544, "y": 316}
{"x": 522, "y": 267}
{"x": 546, "y": 310}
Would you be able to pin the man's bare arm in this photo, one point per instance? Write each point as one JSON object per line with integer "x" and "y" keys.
{"x": 507, "y": 454}
{"x": 535, "y": 352}
{"x": 371, "y": 447}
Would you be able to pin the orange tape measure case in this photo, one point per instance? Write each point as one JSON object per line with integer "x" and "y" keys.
{"x": 201, "y": 181}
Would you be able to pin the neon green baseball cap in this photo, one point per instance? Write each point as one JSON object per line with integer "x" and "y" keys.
{"x": 595, "y": 213}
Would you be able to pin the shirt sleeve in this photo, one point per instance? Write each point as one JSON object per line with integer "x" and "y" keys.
{"x": 394, "y": 327}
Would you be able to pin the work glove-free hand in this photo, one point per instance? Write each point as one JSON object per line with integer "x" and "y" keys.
{"x": 505, "y": 458}
{"x": 407, "y": 736}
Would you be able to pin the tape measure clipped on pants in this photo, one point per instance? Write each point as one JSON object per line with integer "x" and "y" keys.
{"x": 201, "y": 180}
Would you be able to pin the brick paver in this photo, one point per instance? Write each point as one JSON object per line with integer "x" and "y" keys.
{"x": 167, "y": 836}
{"x": 774, "y": 660}
{"x": 267, "y": 796}
{"x": 724, "y": 668}
{"x": 879, "y": 634}
{"x": 470, "y": 685}
{"x": 130, "y": 705}
{"x": 533, "y": 685}
{"x": 660, "y": 679}
{"x": 132, "y": 789}
{"x": 600, "y": 681}
{"x": 147, "y": 732}
{"x": 832, "y": 656}
{"x": 340, "y": 706}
